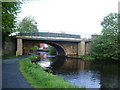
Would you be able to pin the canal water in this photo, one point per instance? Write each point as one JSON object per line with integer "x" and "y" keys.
{"x": 89, "y": 74}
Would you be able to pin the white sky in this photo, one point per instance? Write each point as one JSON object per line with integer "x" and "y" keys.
{"x": 79, "y": 16}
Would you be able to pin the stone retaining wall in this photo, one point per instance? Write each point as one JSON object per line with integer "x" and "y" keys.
{"x": 9, "y": 47}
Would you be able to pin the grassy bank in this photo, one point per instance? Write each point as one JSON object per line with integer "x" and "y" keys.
{"x": 7, "y": 56}
{"x": 38, "y": 78}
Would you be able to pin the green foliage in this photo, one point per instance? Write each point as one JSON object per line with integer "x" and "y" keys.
{"x": 38, "y": 78}
{"x": 9, "y": 13}
{"x": 106, "y": 45}
{"x": 52, "y": 51}
{"x": 35, "y": 47}
{"x": 27, "y": 25}
{"x": 34, "y": 50}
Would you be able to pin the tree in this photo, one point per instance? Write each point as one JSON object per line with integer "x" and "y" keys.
{"x": 106, "y": 45}
{"x": 9, "y": 13}
{"x": 27, "y": 25}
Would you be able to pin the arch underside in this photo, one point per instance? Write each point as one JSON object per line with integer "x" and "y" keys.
{"x": 29, "y": 44}
{"x": 60, "y": 50}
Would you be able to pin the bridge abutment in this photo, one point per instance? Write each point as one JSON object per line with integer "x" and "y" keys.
{"x": 81, "y": 48}
{"x": 19, "y": 47}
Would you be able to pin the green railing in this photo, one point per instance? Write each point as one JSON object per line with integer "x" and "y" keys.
{"x": 47, "y": 34}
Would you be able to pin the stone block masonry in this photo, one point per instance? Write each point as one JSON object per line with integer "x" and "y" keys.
{"x": 19, "y": 47}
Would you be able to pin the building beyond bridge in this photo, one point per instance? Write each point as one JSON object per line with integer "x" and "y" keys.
{"x": 65, "y": 44}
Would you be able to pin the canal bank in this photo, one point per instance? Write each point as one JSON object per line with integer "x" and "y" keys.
{"x": 82, "y": 73}
{"x": 90, "y": 74}
{"x": 38, "y": 78}
{"x": 82, "y": 57}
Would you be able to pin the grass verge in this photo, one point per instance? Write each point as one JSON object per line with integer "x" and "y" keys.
{"x": 7, "y": 56}
{"x": 38, "y": 78}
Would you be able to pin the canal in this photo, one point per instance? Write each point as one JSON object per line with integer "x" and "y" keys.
{"x": 89, "y": 74}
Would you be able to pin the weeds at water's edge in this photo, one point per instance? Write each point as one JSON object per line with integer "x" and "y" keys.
{"x": 82, "y": 57}
{"x": 38, "y": 78}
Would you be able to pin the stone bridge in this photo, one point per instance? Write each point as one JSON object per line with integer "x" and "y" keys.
{"x": 65, "y": 44}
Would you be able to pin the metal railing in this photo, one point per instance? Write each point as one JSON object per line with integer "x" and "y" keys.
{"x": 47, "y": 34}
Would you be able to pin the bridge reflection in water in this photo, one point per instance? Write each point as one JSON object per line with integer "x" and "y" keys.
{"x": 88, "y": 74}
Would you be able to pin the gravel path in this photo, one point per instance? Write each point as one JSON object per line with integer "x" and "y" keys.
{"x": 11, "y": 76}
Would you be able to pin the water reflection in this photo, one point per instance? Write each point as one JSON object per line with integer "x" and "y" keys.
{"x": 77, "y": 72}
{"x": 83, "y": 74}
{"x": 109, "y": 72}
{"x": 44, "y": 61}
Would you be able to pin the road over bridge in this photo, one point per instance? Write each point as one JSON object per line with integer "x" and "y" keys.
{"x": 65, "y": 44}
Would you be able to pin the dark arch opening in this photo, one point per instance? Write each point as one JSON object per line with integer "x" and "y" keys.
{"x": 60, "y": 50}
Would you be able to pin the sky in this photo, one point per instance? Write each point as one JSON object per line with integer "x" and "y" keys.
{"x": 71, "y": 16}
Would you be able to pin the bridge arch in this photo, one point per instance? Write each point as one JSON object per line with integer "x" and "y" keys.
{"x": 65, "y": 44}
{"x": 59, "y": 48}
{"x": 28, "y": 44}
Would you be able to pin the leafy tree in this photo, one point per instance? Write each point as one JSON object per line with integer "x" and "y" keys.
{"x": 27, "y": 25}
{"x": 9, "y": 13}
{"x": 106, "y": 45}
